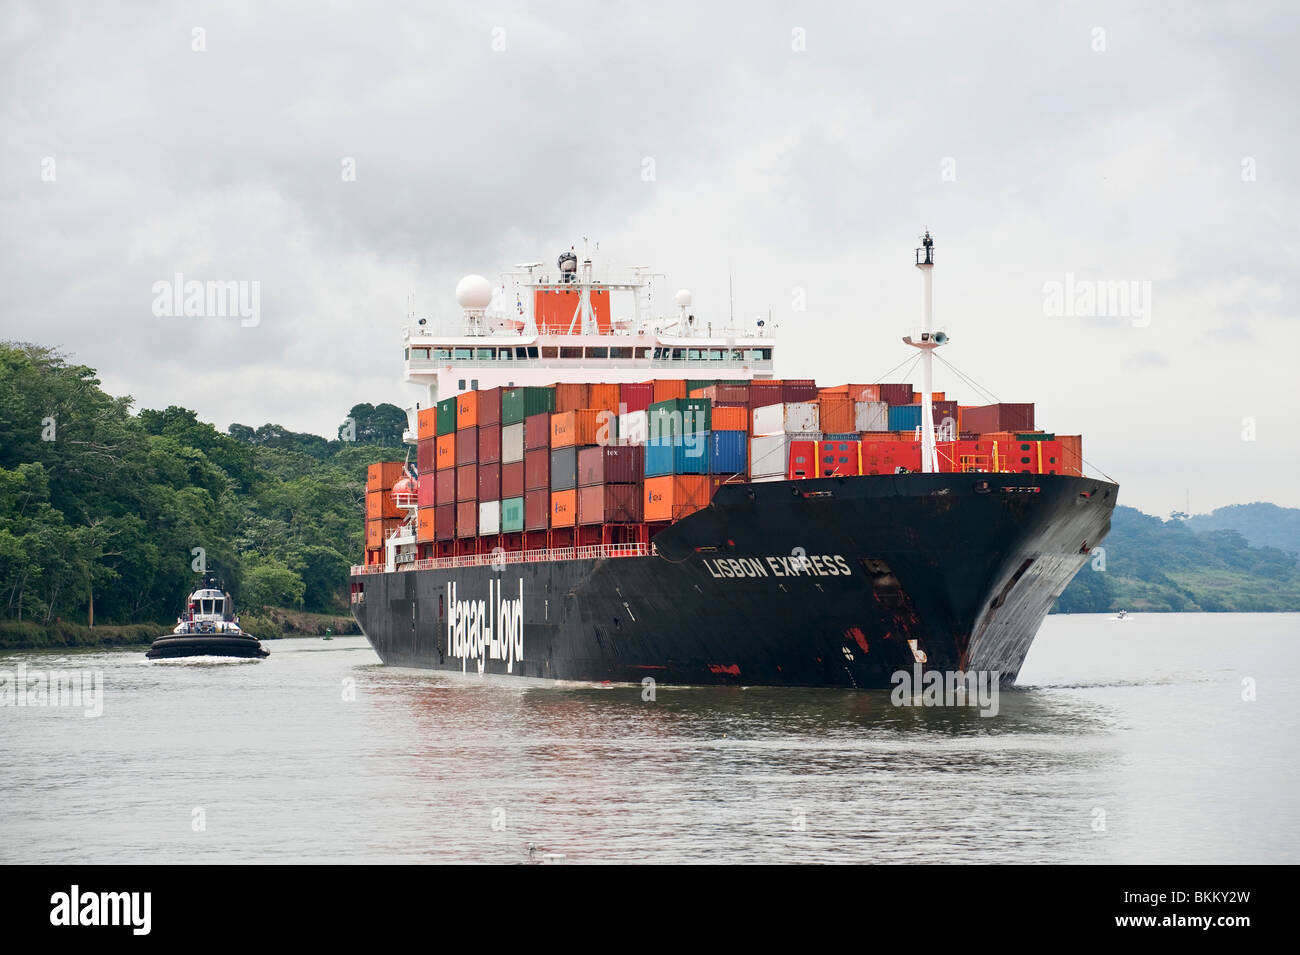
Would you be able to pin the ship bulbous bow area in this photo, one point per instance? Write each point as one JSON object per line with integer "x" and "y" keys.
{"x": 817, "y": 582}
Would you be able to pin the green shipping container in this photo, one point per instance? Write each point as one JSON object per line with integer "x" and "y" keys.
{"x": 678, "y": 416}
{"x": 512, "y": 515}
{"x": 1036, "y": 437}
{"x": 693, "y": 383}
{"x": 518, "y": 403}
{"x": 447, "y": 416}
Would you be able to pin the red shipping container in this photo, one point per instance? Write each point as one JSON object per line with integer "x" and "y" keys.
{"x": 610, "y": 504}
{"x": 1071, "y": 454}
{"x": 467, "y": 446}
{"x": 674, "y": 496}
{"x": 424, "y": 455}
{"x": 537, "y": 510}
{"x": 378, "y": 531}
{"x": 611, "y": 465}
{"x": 537, "y": 469}
{"x": 489, "y": 482}
{"x": 466, "y": 482}
{"x": 885, "y": 457}
{"x": 571, "y": 396}
{"x": 489, "y": 407}
{"x": 763, "y": 393}
{"x": 798, "y": 389}
{"x": 564, "y": 508}
{"x": 426, "y": 490}
{"x": 467, "y": 410}
{"x": 837, "y": 415}
{"x": 725, "y": 394}
{"x": 895, "y": 394}
{"x": 666, "y": 388}
{"x": 444, "y": 487}
{"x": 425, "y": 525}
{"x": 512, "y": 480}
{"x": 839, "y": 458}
{"x": 426, "y": 423}
{"x": 489, "y": 444}
{"x": 803, "y": 460}
{"x": 467, "y": 519}
{"x": 1000, "y": 417}
{"x": 537, "y": 431}
{"x": 444, "y": 521}
{"x": 636, "y": 396}
{"x": 444, "y": 451}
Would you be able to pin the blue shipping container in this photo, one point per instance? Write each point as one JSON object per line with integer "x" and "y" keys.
{"x": 729, "y": 452}
{"x": 904, "y": 417}
{"x": 678, "y": 455}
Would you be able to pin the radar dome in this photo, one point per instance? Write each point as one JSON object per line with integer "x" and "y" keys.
{"x": 683, "y": 297}
{"x": 474, "y": 291}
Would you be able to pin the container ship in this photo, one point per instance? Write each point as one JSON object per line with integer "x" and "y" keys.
{"x": 602, "y": 497}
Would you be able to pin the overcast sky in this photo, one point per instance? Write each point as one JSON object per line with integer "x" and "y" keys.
{"x": 792, "y": 149}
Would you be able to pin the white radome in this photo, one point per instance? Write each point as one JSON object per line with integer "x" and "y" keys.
{"x": 474, "y": 291}
{"x": 683, "y": 297}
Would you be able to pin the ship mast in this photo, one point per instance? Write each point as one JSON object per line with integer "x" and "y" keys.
{"x": 929, "y": 341}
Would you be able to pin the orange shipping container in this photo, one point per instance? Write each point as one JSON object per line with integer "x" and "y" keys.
{"x": 379, "y": 504}
{"x": 383, "y": 475}
{"x": 668, "y": 388}
{"x": 564, "y": 508}
{"x": 427, "y": 423}
{"x": 673, "y": 496}
{"x": 424, "y": 530}
{"x": 445, "y": 451}
{"x": 604, "y": 397}
{"x": 1071, "y": 454}
{"x": 467, "y": 410}
{"x": 837, "y": 414}
{"x": 581, "y": 428}
{"x": 571, "y": 397}
{"x": 730, "y": 418}
{"x": 377, "y": 531}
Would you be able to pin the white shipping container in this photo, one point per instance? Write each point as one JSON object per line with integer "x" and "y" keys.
{"x": 633, "y": 427}
{"x": 512, "y": 443}
{"x": 489, "y": 518}
{"x": 870, "y": 416}
{"x": 769, "y": 455}
{"x": 787, "y": 417}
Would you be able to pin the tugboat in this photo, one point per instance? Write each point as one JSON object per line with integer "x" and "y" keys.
{"x": 208, "y": 628}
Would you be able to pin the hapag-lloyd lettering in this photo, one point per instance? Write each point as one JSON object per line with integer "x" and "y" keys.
{"x": 821, "y": 565}
{"x": 486, "y": 630}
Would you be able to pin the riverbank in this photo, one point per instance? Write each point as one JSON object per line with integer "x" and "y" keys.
{"x": 273, "y": 624}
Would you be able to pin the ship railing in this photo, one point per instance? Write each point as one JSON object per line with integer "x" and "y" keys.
{"x": 502, "y": 558}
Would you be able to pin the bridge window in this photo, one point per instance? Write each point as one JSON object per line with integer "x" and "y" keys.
{"x": 641, "y": 352}
{"x": 597, "y": 352}
{"x": 550, "y": 352}
{"x": 620, "y": 353}
{"x": 486, "y": 354}
{"x": 442, "y": 354}
{"x": 532, "y": 353}
{"x": 570, "y": 352}
{"x": 679, "y": 354}
{"x": 462, "y": 354}
{"x": 692, "y": 354}
{"x": 715, "y": 354}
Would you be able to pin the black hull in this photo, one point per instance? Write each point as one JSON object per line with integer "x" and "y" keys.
{"x": 956, "y": 569}
{"x": 201, "y": 645}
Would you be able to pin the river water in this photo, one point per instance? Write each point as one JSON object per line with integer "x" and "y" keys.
{"x": 1125, "y": 741}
